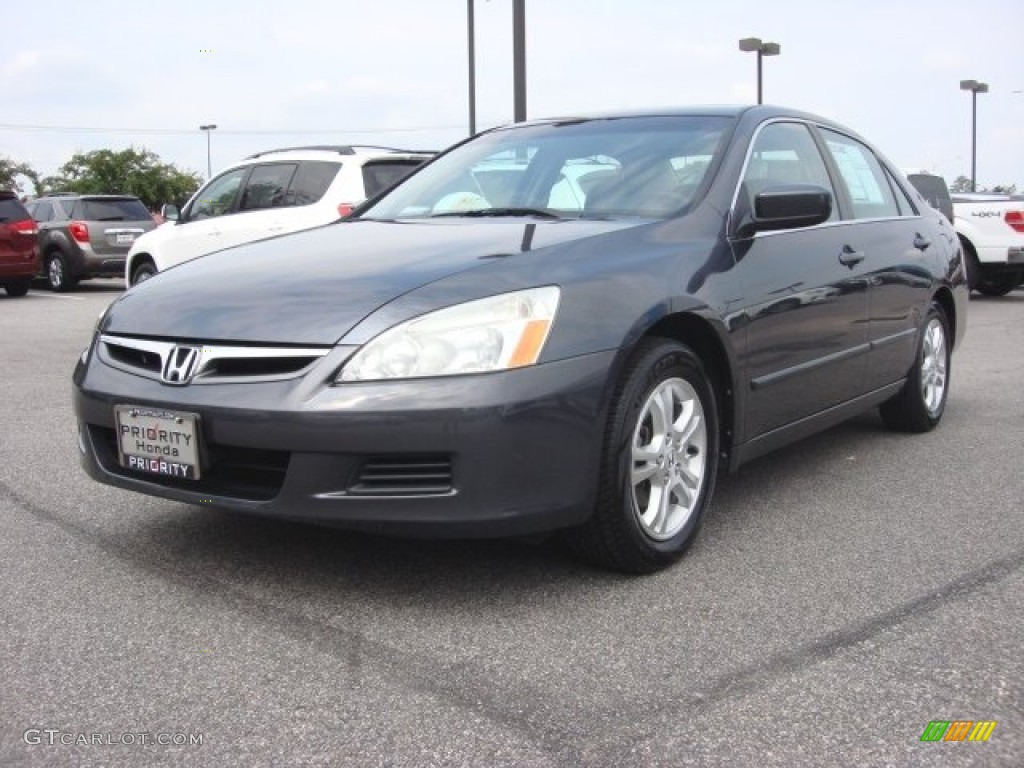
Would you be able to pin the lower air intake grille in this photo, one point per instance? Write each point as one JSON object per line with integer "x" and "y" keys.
{"x": 404, "y": 476}
{"x": 251, "y": 474}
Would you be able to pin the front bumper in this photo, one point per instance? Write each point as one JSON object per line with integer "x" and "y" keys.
{"x": 485, "y": 455}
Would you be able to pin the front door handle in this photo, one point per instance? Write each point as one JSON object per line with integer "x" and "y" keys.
{"x": 849, "y": 257}
{"x": 921, "y": 242}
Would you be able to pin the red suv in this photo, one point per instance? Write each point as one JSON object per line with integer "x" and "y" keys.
{"x": 19, "y": 253}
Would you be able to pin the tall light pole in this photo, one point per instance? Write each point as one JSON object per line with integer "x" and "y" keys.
{"x": 207, "y": 129}
{"x": 975, "y": 88}
{"x": 519, "y": 59}
{"x": 754, "y": 44}
{"x": 471, "y": 33}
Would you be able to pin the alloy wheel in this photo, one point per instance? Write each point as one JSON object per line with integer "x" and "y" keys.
{"x": 933, "y": 366}
{"x": 669, "y": 459}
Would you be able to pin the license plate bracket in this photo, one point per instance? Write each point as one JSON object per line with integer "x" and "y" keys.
{"x": 158, "y": 441}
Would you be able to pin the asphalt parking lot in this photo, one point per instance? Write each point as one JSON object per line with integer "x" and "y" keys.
{"x": 844, "y": 593}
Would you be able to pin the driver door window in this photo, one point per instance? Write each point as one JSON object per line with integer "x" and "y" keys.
{"x": 785, "y": 153}
{"x": 219, "y": 196}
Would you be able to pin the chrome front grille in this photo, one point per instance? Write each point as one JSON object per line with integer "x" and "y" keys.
{"x": 183, "y": 363}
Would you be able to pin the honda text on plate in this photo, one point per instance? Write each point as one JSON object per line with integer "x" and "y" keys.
{"x": 568, "y": 324}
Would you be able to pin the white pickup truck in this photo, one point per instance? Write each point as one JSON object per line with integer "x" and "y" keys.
{"x": 991, "y": 229}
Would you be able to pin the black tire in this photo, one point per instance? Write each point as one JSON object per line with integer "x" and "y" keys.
{"x": 58, "y": 275}
{"x": 618, "y": 535}
{"x": 143, "y": 272}
{"x": 971, "y": 268}
{"x": 999, "y": 285}
{"x": 919, "y": 405}
{"x": 18, "y": 288}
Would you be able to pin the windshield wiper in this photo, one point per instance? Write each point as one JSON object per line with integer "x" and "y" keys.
{"x": 481, "y": 212}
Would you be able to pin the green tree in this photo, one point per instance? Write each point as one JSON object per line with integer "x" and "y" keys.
{"x": 10, "y": 171}
{"x": 131, "y": 171}
{"x": 960, "y": 184}
{"x": 963, "y": 184}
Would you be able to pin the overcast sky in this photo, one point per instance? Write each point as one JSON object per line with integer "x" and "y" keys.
{"x": 77, "y": 76}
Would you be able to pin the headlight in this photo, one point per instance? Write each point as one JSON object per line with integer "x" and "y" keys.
{"x": 492, "y": 334}
{"x": 87, "y": 352}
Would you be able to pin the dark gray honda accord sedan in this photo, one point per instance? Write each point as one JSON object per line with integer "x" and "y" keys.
{"x": 563, "y": 324}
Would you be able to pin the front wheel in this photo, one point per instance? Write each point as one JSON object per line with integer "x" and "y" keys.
{"x": 658, "y": 464}
{"x": 143, "y": 272}
{"x": 919, "y": 405}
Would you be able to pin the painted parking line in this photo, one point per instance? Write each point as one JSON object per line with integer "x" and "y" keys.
{"x": 33, "y": 294}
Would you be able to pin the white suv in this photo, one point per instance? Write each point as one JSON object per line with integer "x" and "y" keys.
{"x": 268, "y": 194}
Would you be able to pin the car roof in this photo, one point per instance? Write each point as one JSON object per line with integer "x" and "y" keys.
{"x": 354, "y": 151}
{"x": 82, "y": 196}
{"x": 756, "y": 112}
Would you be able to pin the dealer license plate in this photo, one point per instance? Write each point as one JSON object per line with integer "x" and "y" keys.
{"x": 157, "y": 441}
{"x": 125, "y": 238}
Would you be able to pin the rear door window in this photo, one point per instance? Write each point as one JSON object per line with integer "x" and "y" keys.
{"x": 381, "y": 174}
{"x": 865, "y": 181}
{"x": 266, "y": 186}
{"x": 310, "y": 182}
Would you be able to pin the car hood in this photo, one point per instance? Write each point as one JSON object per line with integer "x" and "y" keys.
{"x": 312, "y": 287}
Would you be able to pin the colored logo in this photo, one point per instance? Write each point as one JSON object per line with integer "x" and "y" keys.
{"x": 958, "y": 730}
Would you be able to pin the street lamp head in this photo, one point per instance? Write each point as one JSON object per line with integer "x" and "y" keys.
{"x": 209, "y": 127}
{"x": 756, "y": 45}
{"x": 974, "y": 86}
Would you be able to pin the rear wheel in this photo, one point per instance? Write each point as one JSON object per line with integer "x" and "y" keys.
{"x": 919, "y": 405}
{"x": 58, "y": 275}
{"x": 17, "y": 288}
{"x": 999, "y": 285}
{"x": 971, "y": 268}
{"x": 658, "y": 464}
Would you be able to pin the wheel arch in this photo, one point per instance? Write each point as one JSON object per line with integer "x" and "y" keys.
{"x": 704, "y": 339}
{"x": 944, "y": 298}
{"x": 133, "y": 261}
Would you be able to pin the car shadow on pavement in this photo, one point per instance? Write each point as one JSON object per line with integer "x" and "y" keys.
{"x": 302, "y": 558}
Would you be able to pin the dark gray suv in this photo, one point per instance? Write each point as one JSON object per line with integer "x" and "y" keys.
{"x": 84, "y": 236}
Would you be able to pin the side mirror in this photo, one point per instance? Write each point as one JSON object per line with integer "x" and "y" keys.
{"x": 170, "y": 212}
{"x": 785, "y": 206}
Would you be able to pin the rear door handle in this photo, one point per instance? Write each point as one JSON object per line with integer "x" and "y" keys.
{"x": 921, "y": 242}
{"x": 849, "y": 257}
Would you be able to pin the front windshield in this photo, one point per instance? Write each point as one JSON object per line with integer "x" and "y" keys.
{"x": 597, "y": 168}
